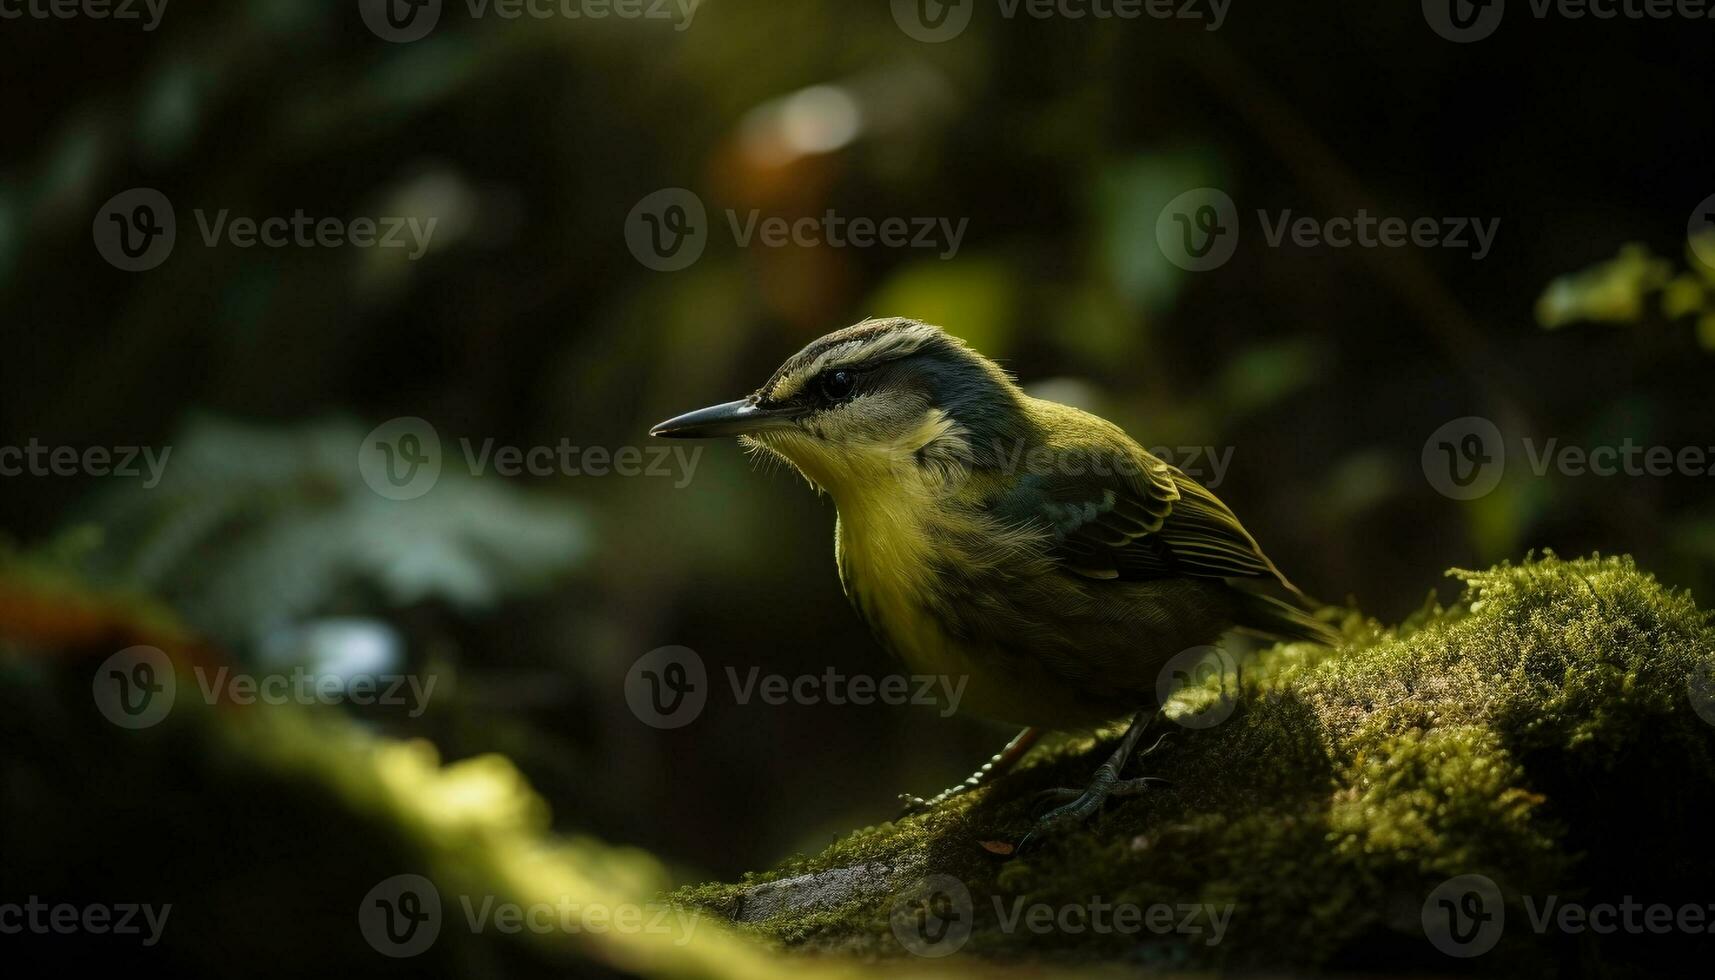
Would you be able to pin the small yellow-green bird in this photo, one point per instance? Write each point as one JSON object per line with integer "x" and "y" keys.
{"x": 1029, "y": 547}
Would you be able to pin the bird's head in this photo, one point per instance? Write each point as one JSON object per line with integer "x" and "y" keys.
{"x": 883, "y": 400}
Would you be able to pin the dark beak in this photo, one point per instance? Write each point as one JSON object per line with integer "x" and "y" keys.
{"x": 740, "y": 418}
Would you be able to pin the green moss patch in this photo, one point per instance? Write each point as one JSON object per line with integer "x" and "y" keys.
{"x": 1544, "y": 732}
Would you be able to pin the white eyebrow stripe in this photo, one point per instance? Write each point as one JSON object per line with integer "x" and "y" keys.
{"x": 893, "y": 343}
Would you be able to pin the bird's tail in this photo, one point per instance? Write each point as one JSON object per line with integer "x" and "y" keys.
{"x": 1272, "y": 619}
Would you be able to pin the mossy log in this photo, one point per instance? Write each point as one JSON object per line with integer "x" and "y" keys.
{"x": 1553, "y": 731}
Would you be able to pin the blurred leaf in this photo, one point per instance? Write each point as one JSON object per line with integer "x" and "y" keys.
{"x": 1129, "y": 198}
{"x": 1263, "y": 374}
{"x": 973, "y": 297}
{"x": 1609, "y": 292}
{"x": 253, "y": 528}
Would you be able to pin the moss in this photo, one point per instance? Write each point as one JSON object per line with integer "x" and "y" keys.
{"x": 1543, "y": 732}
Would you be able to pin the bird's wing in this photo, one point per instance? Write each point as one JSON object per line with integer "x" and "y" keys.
{"x": 1116, "y": 512}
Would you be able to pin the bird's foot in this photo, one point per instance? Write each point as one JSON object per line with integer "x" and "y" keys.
{"x": 991, "y": 770}
{"x": 1077, "y": 806}
{"x": 1120, "y": 790}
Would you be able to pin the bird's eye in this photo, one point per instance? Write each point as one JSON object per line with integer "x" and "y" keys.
{"x": 838, "y": 385}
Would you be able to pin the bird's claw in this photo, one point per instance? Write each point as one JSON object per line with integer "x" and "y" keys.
{"x": 1082, "y": 805}
{"x": 1077, "y": 807}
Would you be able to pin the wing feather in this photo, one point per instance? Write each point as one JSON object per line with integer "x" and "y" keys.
{"x": 1117, "y": 512}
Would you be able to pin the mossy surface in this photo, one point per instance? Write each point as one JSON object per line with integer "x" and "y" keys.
{"x": 1547, "y": 731}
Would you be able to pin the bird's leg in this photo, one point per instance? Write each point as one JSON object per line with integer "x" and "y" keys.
{"x": 1105, "y": 784}
{"x": 992, "y": 770}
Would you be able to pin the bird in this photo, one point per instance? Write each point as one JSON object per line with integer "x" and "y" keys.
{"x": 1033, "y": 549}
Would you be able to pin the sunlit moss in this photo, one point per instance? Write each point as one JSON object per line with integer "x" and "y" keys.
{"x": 1498, "y": 736}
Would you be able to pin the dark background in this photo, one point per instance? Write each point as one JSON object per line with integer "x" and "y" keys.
{"x": 529, "y": 321}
